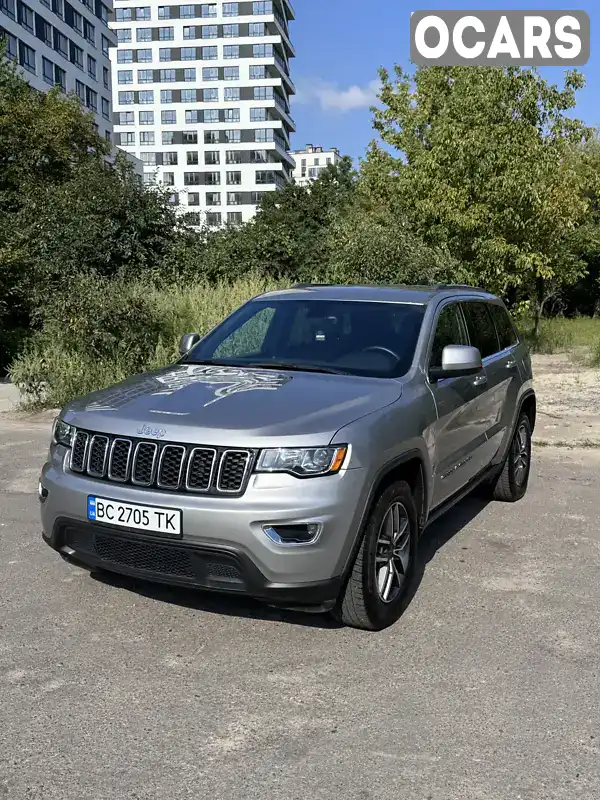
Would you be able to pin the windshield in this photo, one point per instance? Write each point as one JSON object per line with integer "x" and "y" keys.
{"x": 347, "y": 337}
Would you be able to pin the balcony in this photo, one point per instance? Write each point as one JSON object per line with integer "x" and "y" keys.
{"x": 284, "y": 68}
{"x": 283, "y": 29}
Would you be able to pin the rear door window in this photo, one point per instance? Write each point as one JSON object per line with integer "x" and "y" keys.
{"x": 504, "y": 326}
{"x": 482, "y": 331}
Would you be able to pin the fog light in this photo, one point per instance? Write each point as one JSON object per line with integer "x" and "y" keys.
{"x": 42, "y": 492}
{"x": 294, "y": 535}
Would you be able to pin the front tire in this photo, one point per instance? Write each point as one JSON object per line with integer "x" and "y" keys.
{"x": 384, "y": 566}
{"x": 513, "y": 481}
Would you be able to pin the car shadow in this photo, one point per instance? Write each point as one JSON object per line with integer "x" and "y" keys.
{"x": 433, "y": 539}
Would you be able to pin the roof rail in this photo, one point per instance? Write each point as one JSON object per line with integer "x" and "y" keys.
{"x": 312, "y": 285}
{"x": 441, "y": 286}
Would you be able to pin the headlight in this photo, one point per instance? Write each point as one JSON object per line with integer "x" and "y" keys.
{"x": 62, "y": 433}
{"x": 304, "y": 462}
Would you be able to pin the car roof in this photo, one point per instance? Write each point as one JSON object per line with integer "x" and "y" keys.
{"x": 416, "y": 295}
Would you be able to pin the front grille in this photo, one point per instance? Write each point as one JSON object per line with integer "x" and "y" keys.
{"x": 165, "y": 466}
{"x": 142, "y": 556}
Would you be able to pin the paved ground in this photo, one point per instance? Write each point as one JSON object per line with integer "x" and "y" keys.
{"x": 487, "y": 689}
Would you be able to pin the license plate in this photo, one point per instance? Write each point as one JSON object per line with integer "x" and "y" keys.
{"x": 130, "y": 515}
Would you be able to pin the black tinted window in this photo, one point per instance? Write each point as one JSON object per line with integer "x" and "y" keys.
{"x": 449, "y": 330}
{"x": 504, "y": 326}
{"x": 482, "y": 331}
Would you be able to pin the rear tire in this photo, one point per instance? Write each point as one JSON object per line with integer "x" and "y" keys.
{"x": 373, "y": 598}
{"x": 513, "y": 481}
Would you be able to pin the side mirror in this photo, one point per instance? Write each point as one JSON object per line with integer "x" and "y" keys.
{"x": 458, "y": 361}
{"x": 188, "y": 341}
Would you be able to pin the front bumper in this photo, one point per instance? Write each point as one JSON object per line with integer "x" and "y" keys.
{"x": 223, "y": 546}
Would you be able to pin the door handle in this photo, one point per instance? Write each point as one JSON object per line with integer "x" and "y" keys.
{"x": 480, "y": 380}
{"x": 510, "y": 364}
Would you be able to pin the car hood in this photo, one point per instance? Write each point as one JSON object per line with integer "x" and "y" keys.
{"x": 231, "y": 405}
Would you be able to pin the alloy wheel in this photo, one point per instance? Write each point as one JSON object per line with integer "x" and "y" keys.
{"x": 392, "y": 554}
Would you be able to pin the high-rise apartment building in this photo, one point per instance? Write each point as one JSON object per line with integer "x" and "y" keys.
{"x": 202, "y": 96}
{"x": 64, "y": 44}
{"x": 311, "y": 161}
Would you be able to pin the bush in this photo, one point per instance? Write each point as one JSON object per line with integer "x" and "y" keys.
{"x": 105, "y": 330}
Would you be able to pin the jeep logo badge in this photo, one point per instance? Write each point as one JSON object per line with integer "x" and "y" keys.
{"x": 155, "y": 433}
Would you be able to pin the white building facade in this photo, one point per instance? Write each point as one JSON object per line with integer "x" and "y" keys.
{"x": 64, "y": 44}
{"x": 202, "y": 96}
{"x": 311, "y": 161}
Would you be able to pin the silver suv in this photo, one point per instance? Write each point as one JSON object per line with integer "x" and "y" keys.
{"x": 296, "y": 453}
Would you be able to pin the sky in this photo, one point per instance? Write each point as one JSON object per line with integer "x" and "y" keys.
{"x": 340, "y": 45}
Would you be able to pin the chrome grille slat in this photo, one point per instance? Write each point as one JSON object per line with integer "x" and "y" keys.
{"x": 166, "y": 466}
{"x": 97, "y": 457}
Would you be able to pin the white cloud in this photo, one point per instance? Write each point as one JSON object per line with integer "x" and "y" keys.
{"x": 332, "y": 98}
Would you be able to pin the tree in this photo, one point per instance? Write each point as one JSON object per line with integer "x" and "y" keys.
{"x": 482, "y": 164}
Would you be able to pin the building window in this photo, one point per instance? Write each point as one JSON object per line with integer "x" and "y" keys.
{"x": 124, "y": 117}
{"x": 189, "y": 33}
{"x": 192, "y": 159}
{"x": 143, "y": 13}
{"x": 145, "y": 76}
{"x": 123, "y": 15}
{"x": 211, "y": 115}
{"x": 164, "y": 54}
{"x": 212, "y": 137}
{"x": 105, "y": 108}
{"x": 210, "y": 53}
{"x": 208, "y": 10}
{"x": 146, "y": 138}
{"x": 25, "y": 16}
{"x": 234, "y": 198}
{"x": 313, "y": 172}
{"x": 231, "y": 10}
{"x": 231, "y": 73}
{"x": 108, "y": 136}
{"x": 212, "y": 158}
{"x": 213, "y": 198}
{"x": 233, "y": 156}
{"x": 164, "y": 12}
{"x": 124, "y": 56}
{"x": 127, "y": 139}
{"x": 233, "y": 137}
{"x": 168, "y": 137}
{"x": 192, "y": 178}
{"x": 210, "y": 95}
{"x": 143, "y": 35}
{"x": 123, "y": 35}
{"x": 234, "y": 178}
{"x": 231, "y": 115}
{"x": 167, "y": 75}
{"x": 213, "y": 219}
{"x": 190, "y": 137}
{"x": 106, "y": 77}
{"x": 89, "y": 31}
{"x": 149, "y": 159}
{"x": 168, "y": 178}
{"x": 256, "y": 198}
{"x": 91, "y": 98}
{"x": 193, "y": 199}
{"x": 48, "y": 72}
{"x": 61, "y": 43}
{"x": 256, "y": 29}
{"x": 126, "y": 98}
{"x": 58, "y": 8}
{"x": 193, "y": 117}
{"x": 166, "y": 95}
{"x": 258, "y": 72}
{"x": 213, "y": 178}
{"x": 231, "y": 31}
{"x": 188, "y": 96}
{"x": 263, "y": 92}
{"x": 125, "y": 76}
{"x": 188, "y": 53}
{"x": 234, "y": 218}
{"x": 258, "y": 115}
{"x": 76, "y": 55}
{"x": 45, "y": 31}
{"x": 105, "y": 45}
{"x": 26, "y": 57}
{"x": 146, "y": 117}
{"x": 187, "y": 12}
{"x": 262, "y": 50}
{"x": 231, "y": 51}
{"x": 144, "y": 56}
{"x": 146, "y": 97}
{"x": 92, "y": 67}
{"x": 168, "y": 117}
{"x": 210, "y": 73}
{"x": 232, "y": 93}
{"x": 189, "y": 74}
{"x": 258, "y": 157}
{"x": 265, "y": 177}
{"x": 78, "y": 22}
{"x": 262, "y": 7}
{"x": 170, "y": 159}
{"x": 166, "y": 34}
{"x": 8, "y": 7}
{"x": 210, "y": 31}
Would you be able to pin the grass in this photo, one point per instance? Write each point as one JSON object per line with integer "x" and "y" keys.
{"x": 560, "y": 335}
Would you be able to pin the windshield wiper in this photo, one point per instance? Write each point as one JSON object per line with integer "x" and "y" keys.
{"x": 294, "y": 367}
